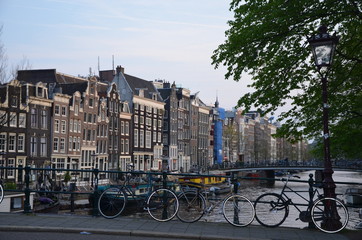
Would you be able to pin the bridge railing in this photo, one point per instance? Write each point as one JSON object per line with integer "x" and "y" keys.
{"x": 28, "y": 182}
{"x": 344, "y": 164}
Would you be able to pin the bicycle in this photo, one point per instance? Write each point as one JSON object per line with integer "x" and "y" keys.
{"x": 271, "y": 209}
{"x": 162, "y": 203}
{"x": 194, "y": 203}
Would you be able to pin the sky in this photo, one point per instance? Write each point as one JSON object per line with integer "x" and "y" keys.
{"x": 172, "y": 40}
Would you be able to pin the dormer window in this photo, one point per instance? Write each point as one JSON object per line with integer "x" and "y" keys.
{"x": 141, "y": 93}
{"x": 40, "y": 92}
{"x": 14, "y": 101}
{"x": 154, "y": 96}
{"x": 92, "y": 89}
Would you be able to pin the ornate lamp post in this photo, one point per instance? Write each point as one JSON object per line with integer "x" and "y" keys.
{"x": 323, "y": 46}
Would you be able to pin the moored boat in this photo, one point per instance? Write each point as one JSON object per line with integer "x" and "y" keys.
{"x": 253, "y": 175}
{"x": 220, "y": 189}
{"x": 353, "y": 196}
{"x": 206, "y": 180}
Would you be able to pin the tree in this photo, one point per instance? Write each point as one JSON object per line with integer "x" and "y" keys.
{"x": 3, "y": 60}
{"x": 268, "y": 40}
{"x": 5, "y": 76}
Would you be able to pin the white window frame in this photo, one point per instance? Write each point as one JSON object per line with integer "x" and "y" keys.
{"x": 56, "y": 125}
{"x": 71, "y": 125}
{"x": 13, "y": 119}
{"x": 126, "y": 147}
{"x": 22, "y": 120}
{"x": 21, "y": 142}
{"x": 12, "y": 142}
{"x": 56, "y": 144}
{"x": 126, "y": 128}
{"x": 44, "y": 119}
{"x": 64, "y": 111}
{"x": 122, "y": 146}
{"x": 34, "y": 117}
{"x": 62, "y": 145}
{"x": 148, "y": 139}
{"x": 136, "y": 137}
{"x": 57, "y": 110}
{"x": 64, "y": 126}
{"x": 43, "y": 147}
{"x": 122, "y": 128}
{"x": 11, "y": 172}
{"x": 70, "y": 144}
{"x": 3, "y": 142}
{"x": 33, "y": 145}
{"x": 142, "y": 138}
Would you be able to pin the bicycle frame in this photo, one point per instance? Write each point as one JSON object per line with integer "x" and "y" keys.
{"x": 200, "y": 189}
{"x": 286, "y": 189}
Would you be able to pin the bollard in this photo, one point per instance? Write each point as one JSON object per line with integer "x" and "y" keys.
{"x": 234, "y": 181}
{"x": 164, "y": 182}
{"x": 164, "y": 179}
{"x": 27, "y": 206}
{"x": 72, "y": 189}
{"x": 310, "y": 205}
{"x": 95, "y": 193}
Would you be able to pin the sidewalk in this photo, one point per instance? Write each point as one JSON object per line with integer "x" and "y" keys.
{"x": 148, "y": 227}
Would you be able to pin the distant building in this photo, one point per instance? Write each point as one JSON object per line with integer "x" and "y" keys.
{"x": 200, "y": 133}
{"x": 147, "y": 107}
{"x": 13, "y": 129}
{"x": 218, "y": 115}
{"x": 170, "y": 124}
{"x": 183, "y": 128}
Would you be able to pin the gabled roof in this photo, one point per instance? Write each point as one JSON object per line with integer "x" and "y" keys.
{"x": 34, "y": 76}
{"x": 63, "y": 78}
{"x": 71, "y": 88}
{"x": 47, "y": 76}
{"x": 136, "y": 83}
{"x": 103, "y": 89}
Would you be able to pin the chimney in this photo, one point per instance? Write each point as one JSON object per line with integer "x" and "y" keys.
{"x": 119, "y": 69}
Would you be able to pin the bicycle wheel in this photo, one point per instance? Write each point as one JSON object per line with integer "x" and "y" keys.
{"x": 1, "y": 193}
{"x": 238, "y": 210}
{"x": 329, "y": 215}
{"x": 111, "y": 202}
{"x": 271, "y": 209}
{"x": 162, "y": 205}
{"x": 192, "y": 206}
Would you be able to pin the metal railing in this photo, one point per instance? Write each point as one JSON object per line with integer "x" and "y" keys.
{"x": 28, "y": 185}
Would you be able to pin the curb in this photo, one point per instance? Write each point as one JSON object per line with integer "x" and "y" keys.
{"x": 135, "y": 233}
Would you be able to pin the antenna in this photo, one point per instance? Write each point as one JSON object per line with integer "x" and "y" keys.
{"x": 113, "y": 62}
{"x": 98, "y": 64}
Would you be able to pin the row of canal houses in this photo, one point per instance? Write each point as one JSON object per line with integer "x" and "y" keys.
{"x": 53, "y": 120}
{"x": 109, "y": 122}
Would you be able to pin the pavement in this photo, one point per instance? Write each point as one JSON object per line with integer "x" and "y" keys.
{"x": 147, "y": 227}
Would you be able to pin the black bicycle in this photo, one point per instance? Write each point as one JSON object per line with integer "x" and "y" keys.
{"x": 195, "y": 202}
{"x": 161, "y": 203}
{"x": 328, "y": 214}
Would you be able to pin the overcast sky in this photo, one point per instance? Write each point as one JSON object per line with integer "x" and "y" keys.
{"x": 152, "y": 39}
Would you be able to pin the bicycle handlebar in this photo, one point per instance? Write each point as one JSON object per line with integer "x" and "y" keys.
{"x": 290, "y": 176}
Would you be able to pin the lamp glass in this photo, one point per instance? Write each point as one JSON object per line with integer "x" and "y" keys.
{"x": 323, "y": 55}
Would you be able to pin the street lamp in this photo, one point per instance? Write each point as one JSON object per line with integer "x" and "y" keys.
{"x": 323, "y": 47}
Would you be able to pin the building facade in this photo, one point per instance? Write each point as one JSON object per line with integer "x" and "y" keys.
{"x": 147, "y": 107}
